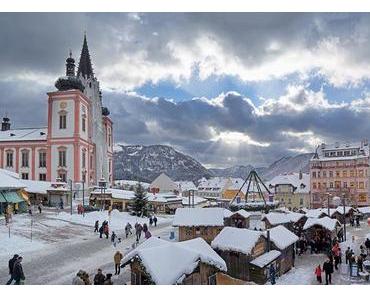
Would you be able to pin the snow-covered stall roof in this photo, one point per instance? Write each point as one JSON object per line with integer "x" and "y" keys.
{"x": 26, "y": 134}
{"x": 325, "y": 222}
{"x": 276, "y": 218}
{"x": 10, "y": 180}
{"x": 236, "y": 239}
{"x": 227, "y": 213}
{"x": 199, "y": 217}
{"x": 241, "y": 212}
{"x": 169, "y": 262}
{"x": 282, "y": 237}
{"x": 37, "y": 186}
{"x": 314, "y": 213}
{"x": 266, "y": 258}
{"x": 340, "y": 209}
{"x": 364, "y": 210}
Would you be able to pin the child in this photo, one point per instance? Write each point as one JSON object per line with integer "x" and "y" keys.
{"x": 318, "y": 274}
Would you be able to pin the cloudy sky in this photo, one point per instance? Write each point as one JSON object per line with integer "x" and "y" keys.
{"x": 228, "y": 89}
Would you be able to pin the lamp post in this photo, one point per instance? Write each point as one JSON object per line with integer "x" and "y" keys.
{"x": 344, "y": 210}
{"x": 71, "y": 184}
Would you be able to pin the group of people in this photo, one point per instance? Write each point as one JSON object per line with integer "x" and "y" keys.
{"x": 16, "y": 270}
{"x": 352, "y": 221}
{"x": 80, "y": 209}
{"x": 142, "y": 229}
{"x": 104, "y": 228}
{"x": 83, "y": 278}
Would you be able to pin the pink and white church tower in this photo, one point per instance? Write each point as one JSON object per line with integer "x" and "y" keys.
{"x": 77, "y": 144}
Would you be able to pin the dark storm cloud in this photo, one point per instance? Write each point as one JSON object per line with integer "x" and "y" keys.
{"x": 129, "y": 50}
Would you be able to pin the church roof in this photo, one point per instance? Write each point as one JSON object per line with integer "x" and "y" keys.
{"x": 85, "y": 67}
{"x": 25, "y": 134}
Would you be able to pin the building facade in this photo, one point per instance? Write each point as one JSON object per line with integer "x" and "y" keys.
{"x": 340, "y": 169}
{"x": 77, "y": 143}
{"x": 292, "y": 190}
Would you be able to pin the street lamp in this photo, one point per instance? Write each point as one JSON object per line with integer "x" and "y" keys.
{"x": 329, "y": 195}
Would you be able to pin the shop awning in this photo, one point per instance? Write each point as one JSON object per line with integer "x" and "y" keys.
{"x": 2, "y": 199}
{"x": 12, "y": 197}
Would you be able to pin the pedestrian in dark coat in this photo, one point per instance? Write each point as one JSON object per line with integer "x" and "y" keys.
{"x": 348, "y": 252}
{"x": 155, "y": 221}
{"x": 359, "y": 263}
{"x": 328, "y": 269}
{"x": 151, "y": 221}
{"x": 145, "y": 228}
{"x": 108, "y": 279}
{"x": 128, "y": 228}
{"x": 272, "y": 274}
{"x": 106, "y": 231}
{"x": 18, "y": 274}
{"x": 11, "y": 268}
{"x": 99, "y": 278}
{"x": 138, "y": 230}
{"x": 148, "y": 234}
{"x": 39, "y": 207}
{"x": 96, "y": 226}
{"x": 101, "y": 230}
{"x": 117, "y": 262}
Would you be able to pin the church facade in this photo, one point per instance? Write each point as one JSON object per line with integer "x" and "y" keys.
{"x": 77, "y": 144}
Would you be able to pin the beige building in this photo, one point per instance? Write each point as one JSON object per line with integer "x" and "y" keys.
{"x": 292, "y": 190}
{"x": 340, "y": 169}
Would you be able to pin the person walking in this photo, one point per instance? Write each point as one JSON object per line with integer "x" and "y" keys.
{"x": 359, "y": 263}
{"x": 150, "y": 221}
{"x": 348, "y": 253}
{"x": 96, "y": 226}
{"x": 108, "y": 279}
{"x": 11, "y": 268}
{"x": 86, "y": 278}
{"x": 145, "y": 228}
{"x": 101, "y": 230}
{"x": 77, "y": 280}
{"x": 328, "y": 269}
{"x": 335, "y": 251}
{"x": 106, "y": 230}
{"x": 117, "y": 262}
{"x": 114, "y": 238}
{"x": 155, "y": 221}
{"x": 128, "y": 228}
{"x": 99, "y": 278}
{"x": 147, "y": 234}
{"x": 138, "y": 230}
{"x": 272, "y": 274}
{"x": 318, "y": 274}
{"x": 39, "y": 207}
{"x": 18, "y": 271}
{"x": 30, "y": 209}
{"x": 61, "y": 204}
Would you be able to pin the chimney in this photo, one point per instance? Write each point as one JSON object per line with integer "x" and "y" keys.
{"x": 5, "y": 124}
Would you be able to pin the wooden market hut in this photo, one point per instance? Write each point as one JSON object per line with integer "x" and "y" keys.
{"x": 238, "y": 247}
{"x": 238, "y": 219}
{"x": 259, "y": 267}
{"x": 292, "y": 221}
{"x": 160, "y": 262}
{"x": 340, "y": 215}
{"x": 321, "y": 228}
{"x": 206, "y": 223}
{"x": 283, "y": 240}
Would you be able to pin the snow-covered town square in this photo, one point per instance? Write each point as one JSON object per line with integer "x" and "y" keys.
{"x": 184, "y": 149}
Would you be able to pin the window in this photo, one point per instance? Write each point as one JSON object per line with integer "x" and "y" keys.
{"x": 9, "y": 159}
{"x": 212, "y": 280}
{"x": 84, "y": 123}
{"x": 324, "y": 185}
{"x": 337, "y": 184}
{"x": 42, "y": 159}
{"x": 361, "y": 173}
{"x": 62, "y": 158}
{"x": 344, "y": 184}
{"x": 344, "y": 173}
{"x": 330, "y": 173}
{"x": 352, "y": 173}
{"x": 331, "y": 185}
{"x": 63, "y": 121}
{"x": 24, "y": 175}
{"x": 314, "y": 185}
{"x": 83, "y": 158}
{"x": 314, "y": 174}
{"x": 324, "y": 174}
{"x": 25, "y": 158}
{"x": 361, "y": 185}
{"x": 337, "y": 173}
{"x": 300, "y": 201}
{"x": 42, "y": 176}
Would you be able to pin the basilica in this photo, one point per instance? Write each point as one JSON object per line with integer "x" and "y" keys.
{"x": 77, "y": 143}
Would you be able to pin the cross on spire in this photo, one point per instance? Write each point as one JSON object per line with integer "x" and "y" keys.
{"x": 85, "y": 67}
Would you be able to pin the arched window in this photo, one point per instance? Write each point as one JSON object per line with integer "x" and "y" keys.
{"x": 62, "y": 156}
{"x": 62, "y": 119}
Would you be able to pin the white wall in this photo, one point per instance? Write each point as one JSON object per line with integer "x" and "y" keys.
{"x": 70, "y": 109}
{"x": 55, "y": 161}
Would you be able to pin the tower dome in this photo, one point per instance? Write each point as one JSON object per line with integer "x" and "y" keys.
{"x": 70, "y": 81}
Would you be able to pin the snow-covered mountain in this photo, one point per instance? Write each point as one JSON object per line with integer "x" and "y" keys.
{"x": 145, "y": 163}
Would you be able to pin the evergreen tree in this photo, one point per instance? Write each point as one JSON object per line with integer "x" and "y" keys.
{"x": 139, "y": 204}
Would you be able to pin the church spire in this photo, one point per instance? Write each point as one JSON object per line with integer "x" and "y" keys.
{"x": 85, "y": 67}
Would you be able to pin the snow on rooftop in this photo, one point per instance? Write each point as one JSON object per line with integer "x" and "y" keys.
{"x": 276, "y": 218}
{"x": 197, "y": 200}
{"x": 199, "y": 217}
{"x": 168, "y": 262}
{"x": 241, "y": 212}
{"x": 282, "y": 237}
{"x": 10, "y": 180}
{"x": 185, "y": 186}
{"x": 314, "y": 213}
{"x": 26, "y": 134}
{"x": 340, "y": 209}
{"x": 236, "y": 239}
{"x": 302, "y": 185}
{"x": 266, "y": 258}
{"x": 364, "y": 210}
{"x": 227, "y": 213}
{"x": 325, "y": 222}
{"x": 36, "y": 186}
{"x": 336, "y": 151}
